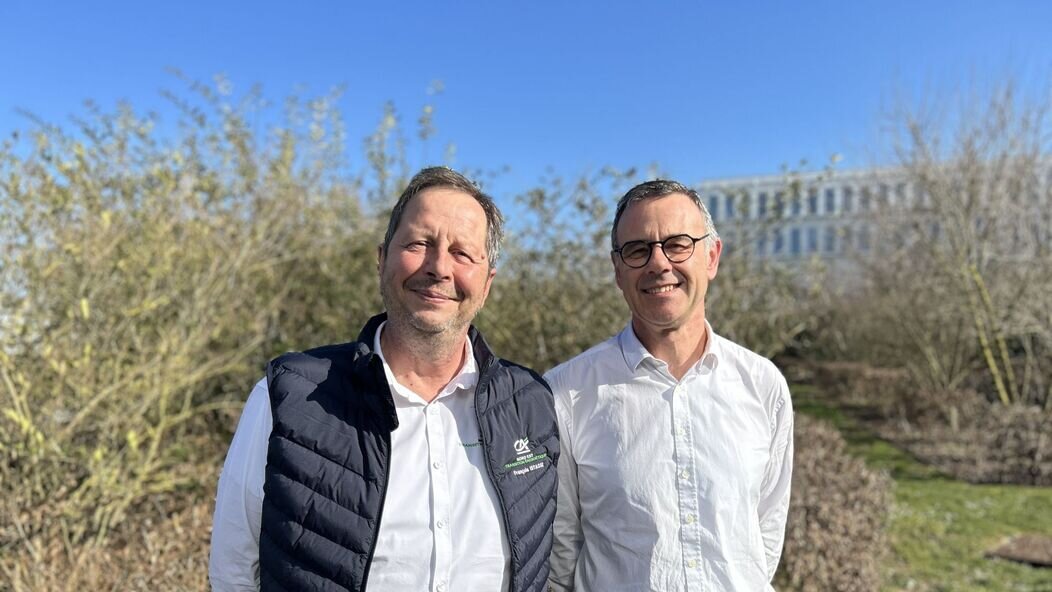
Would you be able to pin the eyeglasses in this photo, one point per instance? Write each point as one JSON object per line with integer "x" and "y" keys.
{"x": 677, "y": 249}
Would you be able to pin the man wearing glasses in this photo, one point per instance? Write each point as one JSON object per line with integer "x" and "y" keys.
{"x": 677, "y": 443}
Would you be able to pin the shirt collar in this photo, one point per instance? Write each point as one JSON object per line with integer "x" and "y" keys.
{"x": 465, "y": 380}
{"x": 636, "y": 353}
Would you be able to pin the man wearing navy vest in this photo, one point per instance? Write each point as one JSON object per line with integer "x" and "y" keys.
{"x": 410, "y": 459}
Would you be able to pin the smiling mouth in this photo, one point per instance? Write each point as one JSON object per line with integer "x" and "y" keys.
{"x": 661, "y": 289}
{"x": 431, "y": 295}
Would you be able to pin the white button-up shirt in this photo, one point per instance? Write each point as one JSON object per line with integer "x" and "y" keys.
{"x": 670, "y": 485}
{"x": 441, "y": 528}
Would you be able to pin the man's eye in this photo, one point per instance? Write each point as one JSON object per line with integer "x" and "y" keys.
{"x": 463, "y": 256}
{"x": 637, "y": 251}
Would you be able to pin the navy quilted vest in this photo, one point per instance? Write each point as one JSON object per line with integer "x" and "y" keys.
{"x": 328, "y": 455}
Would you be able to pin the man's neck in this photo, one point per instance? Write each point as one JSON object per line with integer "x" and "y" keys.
{"x": 422, "y": 362}
{"x": 680, "y": 347}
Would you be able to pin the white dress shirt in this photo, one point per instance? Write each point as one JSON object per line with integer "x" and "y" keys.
{"x": 670, "y": 485}
{"x": 441, "y": 528}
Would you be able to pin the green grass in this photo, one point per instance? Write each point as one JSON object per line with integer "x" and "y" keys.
{"x": 939, "y": 528}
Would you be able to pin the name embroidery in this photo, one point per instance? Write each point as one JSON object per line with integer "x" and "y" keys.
{"x": 525, "y": 461}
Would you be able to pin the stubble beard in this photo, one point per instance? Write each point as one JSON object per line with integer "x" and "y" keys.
{"x": 424, "y": 338}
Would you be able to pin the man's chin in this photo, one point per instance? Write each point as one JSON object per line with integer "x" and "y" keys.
{"x": 663, "y": 321}
{"x": 434, "y": 325}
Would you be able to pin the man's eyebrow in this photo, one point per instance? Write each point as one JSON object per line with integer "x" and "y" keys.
{"x": 665, "y": 237}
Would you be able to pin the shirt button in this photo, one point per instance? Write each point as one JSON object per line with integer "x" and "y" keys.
{"x": 685, "y": 474}
{"x": 441, "y": 524}
{"x": 690, "y": 518}
{"x": 437, "y": 464}
{"x": 441, "y": 586}
{"x": 681, "y": 431}
{"x": 692, "y": 564}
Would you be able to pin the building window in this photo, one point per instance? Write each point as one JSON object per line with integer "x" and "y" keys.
{"x": 779, "y": 242}
{"x": 863, "y": 238}
{"x": 919, "y": 197}
{"x": 812, "y": 238}
{"x": 794, "y": 241}
{"x": 848, "y": 200}
{"x": 728, "y": 207}
{"x": 779, "y": 204}
{"x": 829, "y": 240}
{"x": 812, "y": 201}
{"x": 846, "y": 238}
{"x": 863, "y": 199}
{"x": 830, "y": 200}
{"x": 714, "y": 207}
{"x": 761, "y": 205}
{"x": 796, "y": 204}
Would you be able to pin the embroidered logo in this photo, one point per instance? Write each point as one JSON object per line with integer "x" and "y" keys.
{"x": 522, "y": 445}
{"x": 525, "y": 460}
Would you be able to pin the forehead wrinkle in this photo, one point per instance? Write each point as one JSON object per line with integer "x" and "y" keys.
{"x": 458, "y": 225}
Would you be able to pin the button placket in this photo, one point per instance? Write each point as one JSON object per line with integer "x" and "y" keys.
{"x": 687, "y": 485}
{"x": 441, "y": 499}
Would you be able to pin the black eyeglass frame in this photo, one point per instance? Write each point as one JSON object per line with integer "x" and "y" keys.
{"x": 650, "y": 249}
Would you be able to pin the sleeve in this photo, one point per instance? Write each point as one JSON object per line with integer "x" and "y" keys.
{"x": 233, "y": 562}
{"x": 567, "y": 539}
{"x": 774, "y": 497}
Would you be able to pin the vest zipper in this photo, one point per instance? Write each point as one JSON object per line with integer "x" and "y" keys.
{"x": 379, "y": 513}
{"x": 483, "y": 381}
{"x": 378, "y": 370}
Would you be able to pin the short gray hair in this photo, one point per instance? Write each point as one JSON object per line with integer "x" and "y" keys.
{"x": 661, "y": 188}
{"x": 446, "y": 177}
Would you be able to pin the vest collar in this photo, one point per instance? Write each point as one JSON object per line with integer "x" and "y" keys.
{"x": 369, "y": 369}
{"x": 483, "y": 354}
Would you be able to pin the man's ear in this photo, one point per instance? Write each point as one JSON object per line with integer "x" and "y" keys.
{"x": 713, "y": 263}
{"x": 617, "y": 269}
{"x": 489, "y": 282}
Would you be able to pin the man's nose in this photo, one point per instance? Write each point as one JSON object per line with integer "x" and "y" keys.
{"x": 439, "y": 263}
{"x": 658, "y": 259}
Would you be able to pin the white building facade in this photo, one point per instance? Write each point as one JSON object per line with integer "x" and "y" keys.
{"x": 841, "y": 215}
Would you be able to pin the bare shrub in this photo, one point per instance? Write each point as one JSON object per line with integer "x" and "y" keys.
{"x": 958, "y": 432}
{"x": 958, "y": 293}
{"x": 835, "y": 536}
{"x": 169, "y": 552}
{"x": 1002, "y": 445}
{"x": 142, "y": 285}
{"x": 890, "y": 394}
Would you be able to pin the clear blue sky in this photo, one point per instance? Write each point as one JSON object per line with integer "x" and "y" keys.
{"x": 705, "y": 89}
